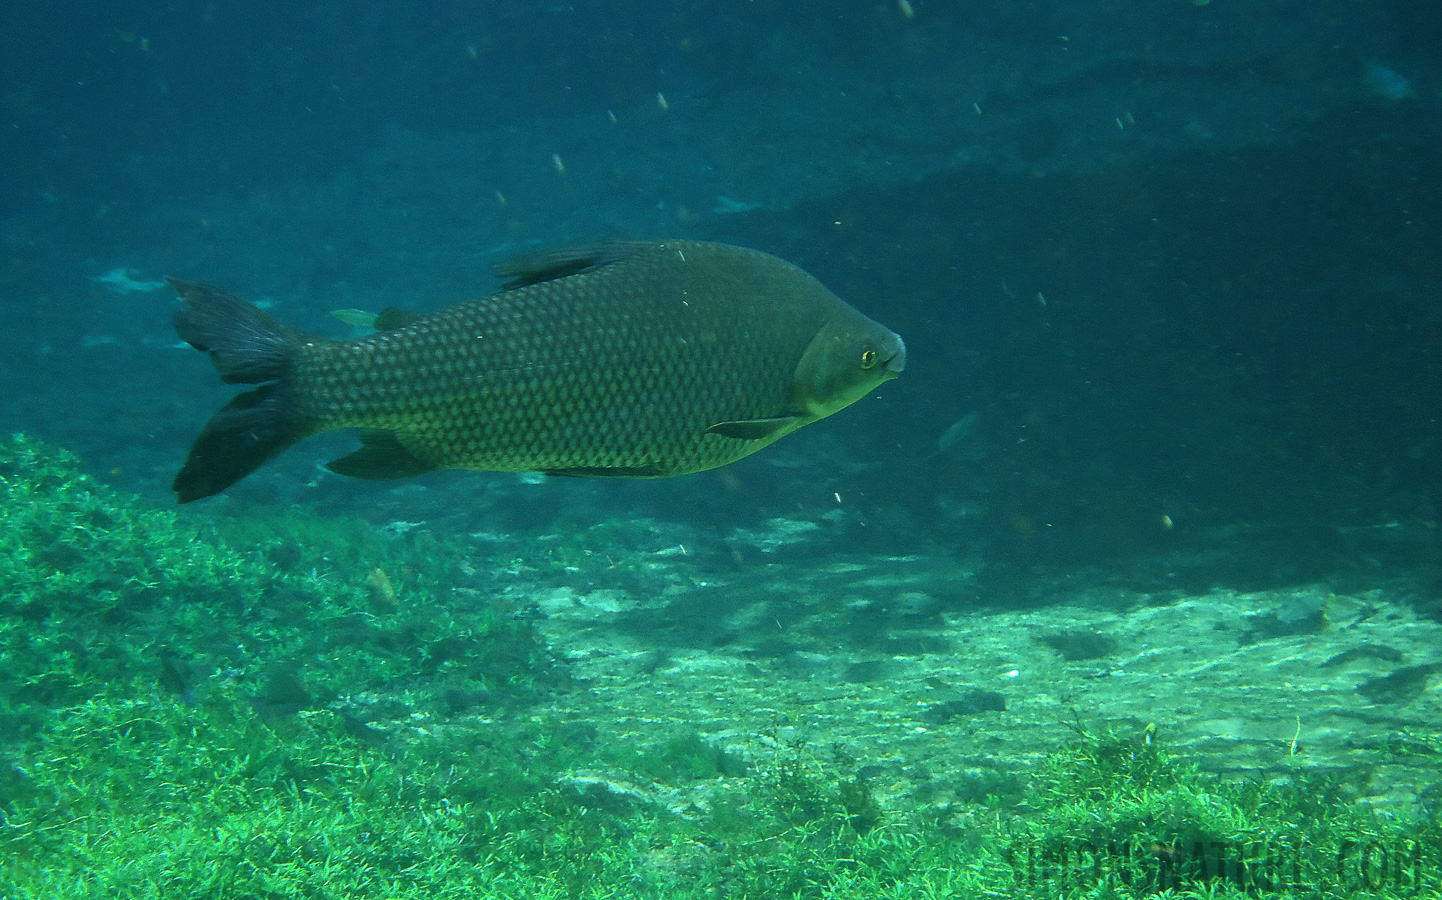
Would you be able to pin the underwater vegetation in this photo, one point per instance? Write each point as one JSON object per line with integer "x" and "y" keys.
{"x": 292, "y": 707}
{"x": 103, "y": 592}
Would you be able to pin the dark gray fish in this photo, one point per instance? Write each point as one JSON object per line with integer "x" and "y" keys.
{"x": 622, "y": 359}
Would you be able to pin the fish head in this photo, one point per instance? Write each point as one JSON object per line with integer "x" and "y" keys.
{"x": 845, "y": 361}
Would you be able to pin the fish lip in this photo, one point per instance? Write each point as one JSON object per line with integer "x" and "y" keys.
{"x": 897, "y": 362}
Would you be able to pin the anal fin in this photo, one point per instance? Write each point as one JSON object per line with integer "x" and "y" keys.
{"x": 603, "y": 472}
{"x": 381, "y": 457}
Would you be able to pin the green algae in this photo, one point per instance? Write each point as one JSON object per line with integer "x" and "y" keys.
{"x": 103, "y": 592}
{"x": 120, "y": 797}
{"x": 246, "y": 709}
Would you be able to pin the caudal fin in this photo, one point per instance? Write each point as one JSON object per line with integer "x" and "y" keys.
{"x": 247, "y": 346}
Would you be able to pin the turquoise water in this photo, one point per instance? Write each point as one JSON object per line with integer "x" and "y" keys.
{"x": 1138, "y": 556}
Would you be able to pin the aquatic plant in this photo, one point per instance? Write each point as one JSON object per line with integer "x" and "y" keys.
{"x": 145, "y": 798}
{"x": 297, "y": 707}
{"x": 106, "y": 593}
{"x": 1123, "y": 812}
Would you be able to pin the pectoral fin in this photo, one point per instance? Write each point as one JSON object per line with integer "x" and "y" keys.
{"x": 754, "y": 429}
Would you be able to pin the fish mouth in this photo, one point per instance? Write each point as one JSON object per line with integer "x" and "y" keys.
{"x": 897, "y": 362}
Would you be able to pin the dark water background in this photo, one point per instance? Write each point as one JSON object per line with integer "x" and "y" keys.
{"x": 1179, "y": 260}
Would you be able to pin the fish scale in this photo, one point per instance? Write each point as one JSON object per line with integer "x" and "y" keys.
{"x": 426, "y": 382}
{"x": 631, "y": 359}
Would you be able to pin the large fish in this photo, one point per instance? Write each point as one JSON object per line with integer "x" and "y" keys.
{"x": 625, "y": 358}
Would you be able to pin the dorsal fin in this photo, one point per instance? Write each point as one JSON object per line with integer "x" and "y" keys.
{"x": 563, "y": 262}
{"x": 391, "y": 318}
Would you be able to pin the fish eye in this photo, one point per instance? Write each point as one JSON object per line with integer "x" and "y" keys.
{"x": 868, "y": 358}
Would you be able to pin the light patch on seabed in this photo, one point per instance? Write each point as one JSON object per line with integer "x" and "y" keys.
{"x": 1194, "y": 666}
{"x": 121, "y": 280}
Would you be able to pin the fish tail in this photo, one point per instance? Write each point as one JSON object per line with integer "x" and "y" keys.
{"x": 247, "y": 346}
